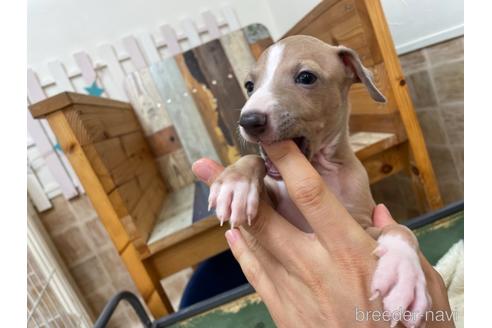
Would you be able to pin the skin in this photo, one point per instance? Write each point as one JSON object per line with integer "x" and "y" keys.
{"x": 313, "y": 279}
{"x": 319, "y": 113}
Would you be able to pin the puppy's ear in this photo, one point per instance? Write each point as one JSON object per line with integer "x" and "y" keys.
{"x": 358, "y": 73}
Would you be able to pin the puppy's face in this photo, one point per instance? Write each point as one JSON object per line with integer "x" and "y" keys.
{"x": 298, "y": 90}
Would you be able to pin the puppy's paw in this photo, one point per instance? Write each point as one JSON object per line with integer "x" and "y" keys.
{"x": 400, "y": 281}
{"x": 235, "y": 196}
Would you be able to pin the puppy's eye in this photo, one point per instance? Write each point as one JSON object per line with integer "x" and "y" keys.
{"x": 250, "y": 86}
{"x": 306, "y": 78}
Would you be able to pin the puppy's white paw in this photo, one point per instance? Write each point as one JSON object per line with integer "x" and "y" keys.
{"x": 400, "y": 281}
{"x": 235, "y": 197}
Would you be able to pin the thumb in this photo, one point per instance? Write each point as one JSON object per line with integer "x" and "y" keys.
{"x": 381, "y": 217}
{"x": 207, "y": 170}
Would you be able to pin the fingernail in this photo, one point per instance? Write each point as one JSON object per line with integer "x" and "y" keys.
{"x": 209, "y": 207}
{"x": 231, "y": 236}
{"x": 374, "y": 295}
{"x": 202, "y": 171}
{"x": 221, "y": 221}
{"x": 385, "y": 209}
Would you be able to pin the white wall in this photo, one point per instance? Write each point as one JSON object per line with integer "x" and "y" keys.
{"x": 416, "y": 24}
{"x": 59, "y": 28}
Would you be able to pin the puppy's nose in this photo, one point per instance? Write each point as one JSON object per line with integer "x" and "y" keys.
{"x": 254, "y": 123}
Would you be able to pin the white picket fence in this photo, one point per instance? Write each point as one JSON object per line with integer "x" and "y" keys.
{"x": 101, "y": 73}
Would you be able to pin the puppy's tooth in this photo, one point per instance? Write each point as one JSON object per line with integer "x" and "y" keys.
{"x": 374, "y": 295}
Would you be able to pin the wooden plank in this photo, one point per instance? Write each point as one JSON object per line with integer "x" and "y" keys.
{"x": 378, "y": 122}
{"x": 84, "y": 63}
{"x": 366, "y": 144}
{"x": 136, "y": 55}
{"x": 231, "y": 18}
{"x": 191, "y": 32}
{"x": 125, "y": 197}
{"x": 134, "y": 143}
{"x": 92, "y": 124}
{"x": 176, "y": 170}
{"x": 216, "y": 68}
{"x": 211, "y": 24}
{"x": 116, "y": 72}
{"x": 57, "y": 69}
{"x": 147, "y": 102}
{"x": 190, "y": 251}
{"x": 239, "y": 53}
{"x": 207, "y": 105}
{"x": 182, "y": 110}
{"x": 150, "y": 48}
{"x": 171, "y": 40}
{"x": 164, "y": 142}
{"x": 110, "y": 152}
{"x": 402, "y": 98}
{"x": 65, "y": 99}
{"x": 386, "y": 163}
{"x": 147, "y": 282}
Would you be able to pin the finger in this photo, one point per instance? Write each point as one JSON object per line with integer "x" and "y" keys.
{"x": 253, "y": 270}
{"x": 207, "y": 170}
{"x": 381, "y": 217}
{"x": 238, "y": 205}
{"x": 286, "y": 243}
{"x": 224, "y": 199}
{"x": 326, "y": 215}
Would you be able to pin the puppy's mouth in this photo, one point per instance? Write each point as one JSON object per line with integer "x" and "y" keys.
{"x": 271, "y": 169}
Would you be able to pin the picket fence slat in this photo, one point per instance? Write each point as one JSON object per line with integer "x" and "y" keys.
{"x": 171, "y": 40}
{"x": 87, "y": 70}
{"x": 149, "y": 48}
{"x": 191, "y": 32}
{"x": 211, "y": 24}
{"x": 231, "y": 18}
{"x": 116, "y": 72}
{"x": 136, "y": 55}
{"x": 59, "y": 73}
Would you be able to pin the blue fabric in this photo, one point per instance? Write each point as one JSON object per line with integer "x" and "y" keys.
{"x": 216, "y": 275}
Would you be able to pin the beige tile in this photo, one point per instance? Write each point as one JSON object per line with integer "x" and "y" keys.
{"x": 72, "y": 245}
{"x": 453, "y": 118}
{"x": 112, "y": 262}
{"x": 420, "y": 87}
{"x": 175, "y": 284}
{"x": 443, "y": 164}
{"x": 445, "y": 51}
{"x": 98, "y": 298}
{"x": 83, "y": 209}
{"x": 451, "y": 191}
{"x": 431, "y": 127}
{"x": 449, "y": 79}
{"x": 459, "y": 157}
{"x": 97, "y": 233}
{"x": 59, "y": 217}
{"x": 413, "y": 61}
{"x": 89, "y": 275}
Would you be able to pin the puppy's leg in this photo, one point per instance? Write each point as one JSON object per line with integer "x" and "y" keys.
{"x": 235, "y": 193}
{"x": 399, "y": 278}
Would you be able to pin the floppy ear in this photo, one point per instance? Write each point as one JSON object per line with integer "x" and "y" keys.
{"x": 358, "y": 73}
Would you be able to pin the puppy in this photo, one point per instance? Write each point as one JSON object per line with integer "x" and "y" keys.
{"x": 299, "y": 90}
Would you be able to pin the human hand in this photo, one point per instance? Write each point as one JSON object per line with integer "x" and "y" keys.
{"x": 305, "y": 280}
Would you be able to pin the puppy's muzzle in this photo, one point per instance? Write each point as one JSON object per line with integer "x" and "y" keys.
{"x": 253, "y": 123}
